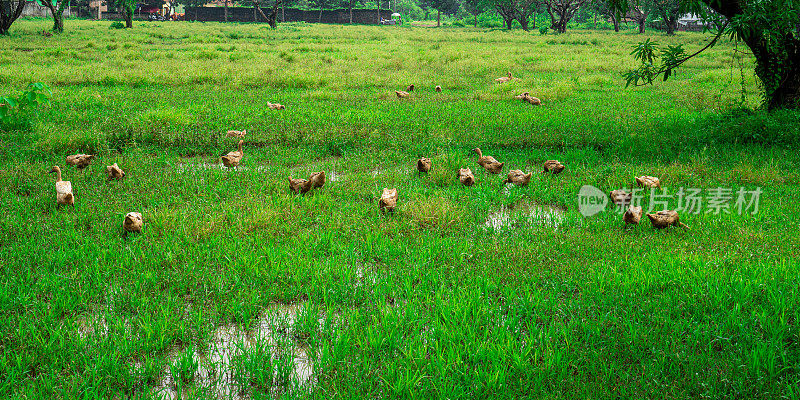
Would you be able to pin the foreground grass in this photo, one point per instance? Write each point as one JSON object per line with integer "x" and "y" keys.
{"x": 427, "y": 302}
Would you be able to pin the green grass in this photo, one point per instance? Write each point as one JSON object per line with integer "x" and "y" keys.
{"x": 426, "y": 302}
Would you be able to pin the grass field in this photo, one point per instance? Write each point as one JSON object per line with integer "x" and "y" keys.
{"x": 238, "y": 288}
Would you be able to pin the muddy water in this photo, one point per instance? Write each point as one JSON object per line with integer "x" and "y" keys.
{"x": 199, "y": 167}
{"x": 525, "y": 214}
{"x": 224, "y": 366}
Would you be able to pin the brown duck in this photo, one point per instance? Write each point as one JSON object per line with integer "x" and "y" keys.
{"x": 504, "y": 79}
{"x": 300, "y": 185}
{"x": 114, "y": 172}
{"x": 666, "y": 218}
{"x": 526, "y": 97}
{"x": 317, "y": 179}
{"x": 233, "y": 158}
{"x": 488, "y": 162}
{"x": 465, "y": 177}
{"x": 64, "y": 194}
{"x": 133, "y": 222}
{"x": 620, "y": 197}
{"x": 388, "y": 200}
{"x": 80, "y": 160}
{"x": 648, "y": 181}
{"x": 410, "y": 88}
{"x": 518, "y": 177}
{"x": 438, "y": 89}
{"x": 424, "y": 164}
{"x": 275, "y": 106}
{"x": 632, "y": 216}
{"x": 401, "y": 94}
{"x": 553, "y": 166}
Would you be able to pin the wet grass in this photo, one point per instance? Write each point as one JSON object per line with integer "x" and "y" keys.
{"x": 430, "y": 301}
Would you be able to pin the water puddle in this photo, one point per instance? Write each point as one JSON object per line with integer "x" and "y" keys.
{"x": 238, "y": 363}
{"x": 525, "y": 214}
{"x": 199, "y": 167}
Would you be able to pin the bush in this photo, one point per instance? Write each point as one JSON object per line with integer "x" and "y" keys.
{"x": 117, "y": 25}
{"x": 19, "y": 112}
{"x": 543, "y": 30}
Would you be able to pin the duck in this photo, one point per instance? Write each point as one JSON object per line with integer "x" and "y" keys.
{"x": 488, "y": 162}
{"x": 424, "y": 164}
{"x": 410, "y": 88}
{"x": 275, "y": 106}
{"x": 553, "y": 166}
{"x": 666, "y": 218}
{"x": 233, "y": 158}
{"x": 317, "y": 179}
{"x": 438, "y": 89}
{"x": 64, "y": 196}
{"x": 238, "y": 134}
{"x": 518, "y": 177}
{"x": 632, "y": 215}
{"x": 648, "y": 181}
{"x": 504, "y": 79}
{"x": 526, "y": 97}
{"x": 402, "y": 95}
{"x": 300, "y": 185}
{"x": 80, "y": 160}
{"x": 388, "y": 200}
{"x": 465, "y": 177}
{"x": 620, "y": 197}
{"x": 132, "y": 222}
{"x": 114, "y": 172}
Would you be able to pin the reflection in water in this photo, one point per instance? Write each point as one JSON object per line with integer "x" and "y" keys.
{"x": 525, "y": 214}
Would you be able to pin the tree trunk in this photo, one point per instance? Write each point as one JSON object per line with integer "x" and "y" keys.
{"x": 641, "y": 25}
{"x": 476, "y": 20}
{"x": 379, "y": 11}
{"x": 670, "y": 26}
{"x": 350, "y": 10}
{"x": 524, "y": 22}
{"x": 57, "y": 11}
{"x": 508, "y": 22}
{"x": 595, "y": 20}
{"x": 534, "y": 20}
{"x": 438, "y": 18}
{"x": 319, "y": 20}
{"x": 9, "y": 12}
{"x": 226, "y": 10}
{"x": 127, "y": 15}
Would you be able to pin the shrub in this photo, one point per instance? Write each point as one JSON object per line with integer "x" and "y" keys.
{"x": 543, "y": 30}
{"x": 19, "y": 112}
{"x": 117, "y": 25}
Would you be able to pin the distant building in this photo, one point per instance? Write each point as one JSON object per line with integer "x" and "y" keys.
{"x": 34, "y": 9}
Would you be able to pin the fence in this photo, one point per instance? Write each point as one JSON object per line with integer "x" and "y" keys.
{"x": 250, "y": 14}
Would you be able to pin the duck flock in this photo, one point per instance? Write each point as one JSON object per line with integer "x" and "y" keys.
{"x": 133, "y": 221}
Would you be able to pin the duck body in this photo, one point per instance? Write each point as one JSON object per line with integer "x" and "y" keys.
{"x": 504, "y": 79}
{"x": 553, "y": 166}
{"x": 133, "y": 222}
{"x": 410, "y": 88}
{"x": 526, "y": 97}
{"x": 114, "y": 172}
{"x": 233, "y": 158}
{"x": 665, "y": 218}
{"x": 466, "y": 177}
{"x": 518, "y": 177}
{"x": 648, "y": 181}
{"x": 80, "y": 160}
{"x": 238, "y": 134}
{"x": 632, "y": 216}
{"x": 401, "y": 94}
{"x": 620, "y": 197}
{"x": 488, "y": 162}
{"x": 388, "y": 200}
{"x": 317, "y": 179}
{"x": 64, "y": 196}
{"x": 424, "y": 164}
{"x": 275, "y": 106}
{"x": 438, "y": 89}
{"x": 300, "y": 185}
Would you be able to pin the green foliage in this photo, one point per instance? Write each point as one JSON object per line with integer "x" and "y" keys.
{"x": 543, "y": 29}
{"x": 19, "y": 111}
{"x": 117, "y": 25}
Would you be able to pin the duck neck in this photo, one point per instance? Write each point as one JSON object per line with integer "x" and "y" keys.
{"x": 480, "y": 153}
{"x": 58, "y": 174}
{"x": 240, "y": 146}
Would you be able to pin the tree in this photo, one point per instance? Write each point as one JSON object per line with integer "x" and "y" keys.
{"x": 609, "y": 10}
{"x": 639, "y": 15}
{"x": 350, "y": 5}
{"x": 475, "y": 7}
{"x": 507, "y": 9}
{"x": 524, "y": 10}
{"x": 561, "y": 11}
{"x": 441, "y": 6}
{"x": 771, "y": 30}
{"x": 56, "y": 8}
{"x": 10, "y": 10}
{"x": 669, "y": 11}
{"x": 126, "y": 9}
